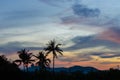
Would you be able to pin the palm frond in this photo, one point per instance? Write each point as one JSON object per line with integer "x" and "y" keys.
{"x": 32, "y": 60}
{"x": 35, "y": 56}
{"x": 58, "y": 49}
{"x": 46, "y": 54}
{"x": 60, "y": 52}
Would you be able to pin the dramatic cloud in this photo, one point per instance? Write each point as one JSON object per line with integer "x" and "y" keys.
{"x": 91, "y": 41}
{"x": 83, "y": 11}
{"x": 106, "y": 54}
{"x": 76, "y": 57}
{"x": 91, "y": 36}
{"x": 82, "y": 15}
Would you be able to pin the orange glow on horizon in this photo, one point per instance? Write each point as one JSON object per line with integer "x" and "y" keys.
{"x": 61, "y": 63}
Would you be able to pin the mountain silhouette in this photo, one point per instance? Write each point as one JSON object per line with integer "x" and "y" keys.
{"x": 69, "y": 69}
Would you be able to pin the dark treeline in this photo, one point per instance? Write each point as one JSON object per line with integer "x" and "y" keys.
{"x": 9, "y": 70}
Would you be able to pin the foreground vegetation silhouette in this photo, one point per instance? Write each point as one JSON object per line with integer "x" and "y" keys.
{"x": 9, "y": 70}
{"x": 54, "y": 49}
{"x": 42, "y": 62}
{"x": 25, "y": 58}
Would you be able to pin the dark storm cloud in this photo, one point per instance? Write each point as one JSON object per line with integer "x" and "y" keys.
{"x": 15, "y": 46}
{"x": 83, "y": 11}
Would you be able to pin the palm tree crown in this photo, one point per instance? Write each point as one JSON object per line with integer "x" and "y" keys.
{"x": 54, "y": 48}
{"x": 25, "y": 58}
{"x": 43, "y": 61}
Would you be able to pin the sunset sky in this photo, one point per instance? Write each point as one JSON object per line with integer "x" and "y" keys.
{"x": 88, "y": 29}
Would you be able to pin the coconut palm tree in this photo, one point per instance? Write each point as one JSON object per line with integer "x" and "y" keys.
{"x": 25, "y": 58}
{"x": 43, "y": 61}
{"x": 53, "y": 47}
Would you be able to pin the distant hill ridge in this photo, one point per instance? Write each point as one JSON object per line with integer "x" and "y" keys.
{"x": 69, "y": 69}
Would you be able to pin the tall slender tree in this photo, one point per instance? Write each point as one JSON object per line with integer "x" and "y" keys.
{"x": 43, "y": 62}
{"x": 25, "y": 58}
{"x": 53, "y": 47}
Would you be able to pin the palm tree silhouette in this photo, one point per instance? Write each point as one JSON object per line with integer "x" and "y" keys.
{"x": 43, "y": 62}
{"x": 25, "y": 58}
{"x": 54, "y": 49}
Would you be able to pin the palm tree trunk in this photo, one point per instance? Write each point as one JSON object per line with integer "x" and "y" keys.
{"x": 53, "y": 64}
{"x": 53, "y": 67}
{"x": 39, "y": 68}
{"x": 24, "y": 67}
{"x": 27, "y": 68}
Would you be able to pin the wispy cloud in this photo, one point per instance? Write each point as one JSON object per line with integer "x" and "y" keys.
{"x": 106, "y": 54}
{"x": 20, "y": 18}
{"x": 111, "y": 34}
{"x": 12, "y": 47}
{"x": 58, "y": 3}
{"x": 89, "y": 29}
{"x": 75, "y": 57}
{"x": 90, "y": 41}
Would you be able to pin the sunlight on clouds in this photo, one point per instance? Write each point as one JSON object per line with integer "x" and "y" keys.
{"x": 114, "y": 59}
{"x": 12, "y": 56}
{"x": 41, "y": 35}
{"x": 86, "y": 36}
{"x": 70, "y": 59}
{"x": 93, "y": 49}
{"x": 29, "y": 34}
{"x": 86, "y": 29}
{"x": 69, "y": 54}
